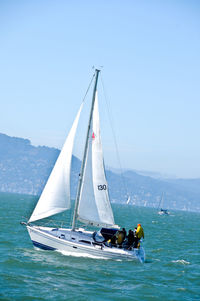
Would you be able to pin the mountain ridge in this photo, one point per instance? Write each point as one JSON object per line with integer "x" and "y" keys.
{"x": 25, "y": 168}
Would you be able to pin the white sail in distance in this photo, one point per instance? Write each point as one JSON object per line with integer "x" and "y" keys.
{"x": 55, "y": 197}
{"x": 94, "y": 205}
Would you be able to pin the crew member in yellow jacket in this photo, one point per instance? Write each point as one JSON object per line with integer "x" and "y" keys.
{"x": 139, "y": 234}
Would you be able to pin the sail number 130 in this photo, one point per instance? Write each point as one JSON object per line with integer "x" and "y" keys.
{"x": 102, "y": 187}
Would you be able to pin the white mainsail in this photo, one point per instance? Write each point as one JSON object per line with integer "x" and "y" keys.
{"x": 55, "y": 197}
{"x": 128, "y": 200}
{"x": 94, "y": 205}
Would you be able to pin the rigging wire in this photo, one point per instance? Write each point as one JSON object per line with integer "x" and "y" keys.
{"x": 88, "y": 88}
{"x": 114, "y": 136}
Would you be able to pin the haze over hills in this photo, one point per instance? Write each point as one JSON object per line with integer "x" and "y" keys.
{"x": 25, "y": 168}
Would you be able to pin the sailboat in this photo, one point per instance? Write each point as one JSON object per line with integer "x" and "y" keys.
{"x": 128, "y": 200}
{"x": 161, "y": 210}
{"x": 92, "y": 203}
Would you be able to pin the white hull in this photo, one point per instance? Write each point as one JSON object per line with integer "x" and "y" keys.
{"x": 79, "y": 243}
{"x": 163, "y": 213}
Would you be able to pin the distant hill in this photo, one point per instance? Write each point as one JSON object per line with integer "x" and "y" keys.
{"x": 25, "y": 168}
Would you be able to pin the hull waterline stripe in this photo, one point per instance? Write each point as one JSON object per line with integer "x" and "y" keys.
{"x": 41, "y": 246}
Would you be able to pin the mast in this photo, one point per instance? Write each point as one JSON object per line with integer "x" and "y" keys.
{"x": 85, "y": 152}
{"x": 161, "y": 199}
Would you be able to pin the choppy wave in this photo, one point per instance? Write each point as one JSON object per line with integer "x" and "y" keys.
{"x": 157, "y": 250}
{"x": 86, "y": 255}
{"x": 171, "y": 265}
{"x": 181, "y": 261}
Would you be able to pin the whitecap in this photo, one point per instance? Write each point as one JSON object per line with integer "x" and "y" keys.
{"x": 66, "y": 253}
{"x": 181, "y": 289}
{"x": 181, "y": 261}
{"x": 157, "y": 250}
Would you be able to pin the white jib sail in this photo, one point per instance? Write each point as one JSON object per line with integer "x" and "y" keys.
{"x": 55, "y": 197}
{"x": 94, "y": 205}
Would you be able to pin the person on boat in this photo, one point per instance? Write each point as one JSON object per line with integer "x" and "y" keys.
{"x": 139, "y": 232}
{"x": 112, "y": 241}
{"x": 120, "y": 237}
{"x": 138, "y": 235}
{"x": 130, "y": 238}
{"x": 124, "y": 231}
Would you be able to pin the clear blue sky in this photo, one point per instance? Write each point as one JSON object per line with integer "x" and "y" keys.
{"x": 150, "y": 51}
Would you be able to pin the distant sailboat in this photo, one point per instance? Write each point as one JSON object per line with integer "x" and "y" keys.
{"x": 128, "y": 200}
{"x": 161, "y": 210}
{"x": 92, "y": 205}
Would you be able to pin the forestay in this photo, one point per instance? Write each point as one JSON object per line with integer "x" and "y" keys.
{"x": 55, "y": 197}
{"x": 94, "y": 205}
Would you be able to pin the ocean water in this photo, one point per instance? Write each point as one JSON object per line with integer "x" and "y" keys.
{"x": 171, "y": 270}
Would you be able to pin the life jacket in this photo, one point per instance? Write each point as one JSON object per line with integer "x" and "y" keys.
{"x": 120, "y": 237}
{"x": 139, "y": 232}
